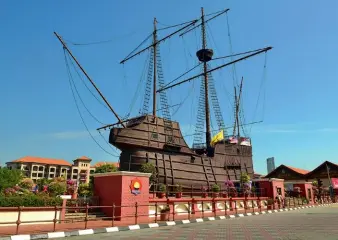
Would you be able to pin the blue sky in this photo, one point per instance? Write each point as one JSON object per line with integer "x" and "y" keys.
{"x": 39, "y": 116}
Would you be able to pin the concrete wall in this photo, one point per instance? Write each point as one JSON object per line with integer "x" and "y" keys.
{"x": 46, "y": 217}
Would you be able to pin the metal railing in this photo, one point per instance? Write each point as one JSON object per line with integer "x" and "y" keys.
{"x": 195, "y": 191}
{"x": 194, "y": 208}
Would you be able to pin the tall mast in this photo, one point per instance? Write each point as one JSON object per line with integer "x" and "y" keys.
{"x": 237, "y": 109}
{"x": 205, "y": 69}
{"x": 235, "y": 113}
{"x": 154, "y": 85}
{"x": 90, "y": 80}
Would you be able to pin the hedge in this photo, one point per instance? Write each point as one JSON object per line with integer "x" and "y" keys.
{"x": 30, "y": 201}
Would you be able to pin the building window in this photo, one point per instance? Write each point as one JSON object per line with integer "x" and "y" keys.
{"x": 40, "y": 168}
{"x": 74, "y": 177}
{"x": 35, "y": 168}
{"x": 40, "y": 175}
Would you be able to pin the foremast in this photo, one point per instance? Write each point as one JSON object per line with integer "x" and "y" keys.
{"x": 90, "y": 80}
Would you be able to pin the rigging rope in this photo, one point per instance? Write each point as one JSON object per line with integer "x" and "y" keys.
{"x": 259, "y": 94}
{"x": 147, "y": 38}
{"x": 99, "y": 42}
{"x": 107, "y": 142}
{"x": 132, "y": 104}
{"x": 77, "y": 92}
{"x": 78, "y": 109}
{"x": 172, "y": 26}
{"x": 78, "y": 73}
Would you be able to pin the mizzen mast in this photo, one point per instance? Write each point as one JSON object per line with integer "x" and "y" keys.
{"x": 90, "y": 80}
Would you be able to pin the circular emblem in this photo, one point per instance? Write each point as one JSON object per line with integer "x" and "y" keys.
{"x": 136, "y": 186}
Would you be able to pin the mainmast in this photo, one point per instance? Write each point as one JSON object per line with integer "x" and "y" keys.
{"x": 155, "y": 64}
{"x": 205, "y": 55}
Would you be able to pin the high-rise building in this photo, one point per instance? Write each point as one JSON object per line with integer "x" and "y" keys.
{"x": 270, "y": 162}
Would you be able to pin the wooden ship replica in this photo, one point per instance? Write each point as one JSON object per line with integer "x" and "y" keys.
{"x": 149, "y": 138}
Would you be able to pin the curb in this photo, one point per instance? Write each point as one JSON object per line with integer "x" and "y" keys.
{"x": 144, "y": 226}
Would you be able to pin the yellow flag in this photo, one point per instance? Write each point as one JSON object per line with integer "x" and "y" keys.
{"x": 218, "y": 137}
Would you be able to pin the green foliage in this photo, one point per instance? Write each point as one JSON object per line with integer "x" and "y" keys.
{"x": 30, "y": 200}
{"x": 9, "y": 178}
{"x": 26, "y": 183}
{"x": 165, "y": 209}
{"x": 315, "y": 183}
{"x": 245, "y": 178}
{"x": 149, "y": 168}
{"x": 85, "y": 190}
{"x": 178, "y": 188}
{"x": 43, "y": 182}
{"x": 106, "y": 168}
{"x": 162, "y": 188}
{"x": 216, "y": 188}
{"x": 57, "y": 188}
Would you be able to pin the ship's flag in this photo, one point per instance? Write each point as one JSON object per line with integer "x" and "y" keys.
{"x": 245, "y": 142}
{"x": 218, "y": 137}
{"x": 233, "y": 139}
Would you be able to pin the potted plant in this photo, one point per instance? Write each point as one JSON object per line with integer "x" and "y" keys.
{"x": 165, "y": 213}
{"x": 246, "y": 189}
{"x": 178, "y": 189}
{"x": 225, "y": 193}
{"x": 161, "y": 190}
{"x": 271, "y": 202}
{"x": 215, "y": 189}
{"x": 233, "y": 192}
{"x": 204, "y": 192}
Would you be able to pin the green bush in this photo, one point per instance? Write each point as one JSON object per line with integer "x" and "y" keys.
{"x": 216, "y": 188}
{"x": 43, "y": 182}
{"x": 245, "y": 178}
{"x": 26, "y": 183}
{"x": 9, "y": 178}
{"x": 149, "y": 168}
{"x": 106, "y": 168}
{"x": 30, "y": 200}
{"x": 85, "y": 190}
{"x": 57, "y": 188}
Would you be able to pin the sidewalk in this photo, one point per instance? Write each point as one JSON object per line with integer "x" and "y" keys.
{"x": 44, "y": 228}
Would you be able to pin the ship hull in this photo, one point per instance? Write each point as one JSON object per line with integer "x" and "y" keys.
{"x": 149, "y": 140}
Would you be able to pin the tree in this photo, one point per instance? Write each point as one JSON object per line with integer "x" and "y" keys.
{"x": 85, "y": 190}
{"x": 9, "y": 178}
{"x": 106, "y": 168}
{"x": 149, "y": 168}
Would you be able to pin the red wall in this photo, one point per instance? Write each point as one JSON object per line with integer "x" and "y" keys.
{"x": 115, "y": 189}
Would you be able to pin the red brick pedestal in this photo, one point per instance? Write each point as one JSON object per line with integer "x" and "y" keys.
{"x": 118, "y": 188}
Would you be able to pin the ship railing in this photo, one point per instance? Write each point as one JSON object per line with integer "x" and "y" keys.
{"x": 158, "y": 210}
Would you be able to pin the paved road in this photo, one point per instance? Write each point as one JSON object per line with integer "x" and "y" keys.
{"x": 312, "y": 223}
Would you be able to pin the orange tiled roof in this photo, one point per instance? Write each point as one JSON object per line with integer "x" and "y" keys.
{"x": 83, "y": 158}
{"x": 298, "y": 170}
{"x": 99, "y": 164}
{"x": 50, "y": 161}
